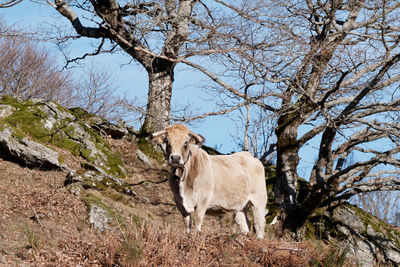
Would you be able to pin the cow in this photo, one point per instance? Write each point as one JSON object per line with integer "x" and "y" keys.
{"x": 202, "y": 182}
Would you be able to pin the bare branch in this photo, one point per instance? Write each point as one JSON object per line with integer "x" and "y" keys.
{"x": 10, "y": 3}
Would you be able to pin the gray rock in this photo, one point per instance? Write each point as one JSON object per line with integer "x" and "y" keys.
{"x": 369, "y": 239}
{"x": 144, "y": 158}
{"x": 97, "y": 180}
{"x": 98, "y": 217}
{"x": 35, "y": 123}
{"x": 6, "y": 110}
{"x": 29, "y": 152}
{"x": 105, "y": 127}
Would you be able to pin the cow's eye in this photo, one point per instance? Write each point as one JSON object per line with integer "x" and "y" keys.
{"x": 186, "y": 143}
{"x": 166, "y": 141}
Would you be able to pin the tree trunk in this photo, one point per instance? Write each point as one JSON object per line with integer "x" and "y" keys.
{"x": 161, "y": 77}
{"x": 287, "y": 161}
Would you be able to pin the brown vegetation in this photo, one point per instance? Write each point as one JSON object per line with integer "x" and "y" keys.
{"x": 44, "y": 224}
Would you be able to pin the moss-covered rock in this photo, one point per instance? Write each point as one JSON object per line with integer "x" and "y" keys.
{"x": 369, "y": 240}
{"x": 100, "y": 215}
{"x": 362, "y": 236}
{"x": 50, "y": 124}
{"x": 92, "y": 179}
{"x": 27, "y": 151}
{"x": 150, "y": 149}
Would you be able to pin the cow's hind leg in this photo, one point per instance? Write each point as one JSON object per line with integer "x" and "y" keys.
{"x": 242, "y": 220}
{"x": 259, "y": 218}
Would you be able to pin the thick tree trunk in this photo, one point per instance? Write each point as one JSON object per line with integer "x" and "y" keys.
{"x": 287, "y": 161}
{"x": 159, "y": 97}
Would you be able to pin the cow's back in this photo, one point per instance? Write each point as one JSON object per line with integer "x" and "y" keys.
{"x": 237, "y": 177}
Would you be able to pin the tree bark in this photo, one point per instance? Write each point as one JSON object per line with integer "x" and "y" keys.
{"x": 287, "y": 161}
{"x": 161, "y": 77}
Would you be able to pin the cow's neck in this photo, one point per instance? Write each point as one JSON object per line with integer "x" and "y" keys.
{"x": 194, "y": 164}
{"x": 190, "y": 170}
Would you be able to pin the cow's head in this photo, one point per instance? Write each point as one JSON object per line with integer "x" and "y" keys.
{"x": 177, "y": 139}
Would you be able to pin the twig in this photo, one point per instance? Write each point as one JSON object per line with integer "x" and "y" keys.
{"x": 292, "y": 249}
{"x": 37, "y": 217}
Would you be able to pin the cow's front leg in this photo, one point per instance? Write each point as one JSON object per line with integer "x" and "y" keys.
{"x": 198, "y": 216}
{"x": 187, "y": 218}
{"x": 188, "y": 222}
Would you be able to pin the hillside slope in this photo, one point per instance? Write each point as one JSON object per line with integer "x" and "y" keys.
{"x": 77, "y": 190}
{"x": 44, "y": 224}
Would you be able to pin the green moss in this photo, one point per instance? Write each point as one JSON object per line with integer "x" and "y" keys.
{"x": 66, "y": 143}
{"x": 104, "y": 183}
{"x": 116, "y": 196}
{"x": 17, "y": 133}
{"x": 80, "y": 113}
{"x": 310, "y": 231}
{"x": 85, "y": 153}
{"x": 90, "y": 200}
{"x": 12, "y": 101}
{"x": 61, "y": 159}
{"x": 150, "y": 150}
{"x": 378, "y": 225}
{"x": 29, "y": 119}
{"x": 114, "y": 163}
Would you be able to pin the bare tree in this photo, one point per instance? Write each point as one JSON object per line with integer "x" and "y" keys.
{"x": 5, "y": 4}
{"x": 382, "y": 204}
{"x": 156, "y": 34}
{"x": 96, "y": 93}
{"x": 30, "y": 71}
{"x": 330, "y": 72}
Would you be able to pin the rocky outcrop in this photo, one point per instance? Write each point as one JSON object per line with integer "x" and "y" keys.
{"x": 29, "y": 152}
{"x": 92, "y": 179}
{"x": 364, "y": 238}
{"x": 41, "y": 134}
{"x": 370, "y": 240}
{"x": 29, "y": 130}
{"x": 102, "y": 126}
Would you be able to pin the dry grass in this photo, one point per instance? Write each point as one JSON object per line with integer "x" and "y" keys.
{"x": 150, "y": 246}
{"x": 43, "y": 224}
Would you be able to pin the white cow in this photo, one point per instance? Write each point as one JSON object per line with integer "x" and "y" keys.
{"x": 200, "y": 181}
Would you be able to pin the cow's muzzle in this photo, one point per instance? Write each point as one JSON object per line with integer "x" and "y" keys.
{"x": 175, "y": 160}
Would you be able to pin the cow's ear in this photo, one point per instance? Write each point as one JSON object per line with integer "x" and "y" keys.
{"x": 159, "y": 137}
{"x": 196, "y": 139}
